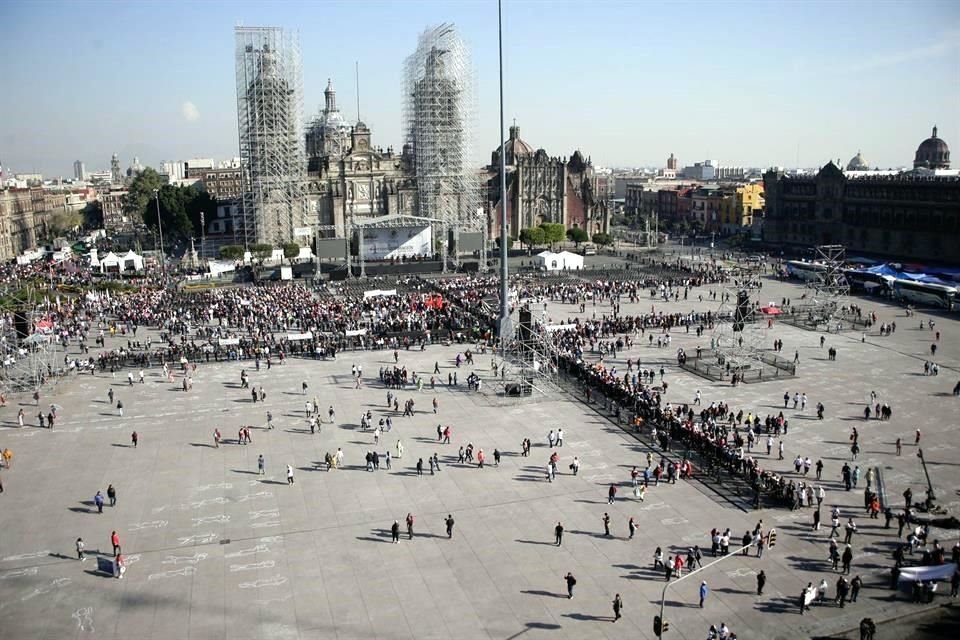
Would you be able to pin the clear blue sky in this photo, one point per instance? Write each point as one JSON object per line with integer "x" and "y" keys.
{"x": 627, "y": 82}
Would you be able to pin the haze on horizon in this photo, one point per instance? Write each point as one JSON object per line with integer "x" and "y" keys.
{"x": 628, "y": 83}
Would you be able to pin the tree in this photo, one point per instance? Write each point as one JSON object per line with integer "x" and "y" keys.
{"x": 602, "y": 239}
{"x": 510, "y": 242}
{"x": 291, "y": 250}
{"x": 553, "y": 232}
{"x": 61, "y": 221}
{"x": 577, "y": 235}
{"x": 93, "y": 215}
{"x": 231, "y": 252}
{"x": 140, "y": 192}
{"x": 533, "y": 237}
{"x": 261, "y": 251}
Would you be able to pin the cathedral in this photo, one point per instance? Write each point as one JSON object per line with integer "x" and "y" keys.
{"x": 541, "y": 188}
{"x": 350, "y": 179}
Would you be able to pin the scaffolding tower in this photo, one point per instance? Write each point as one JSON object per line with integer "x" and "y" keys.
{"x": 270, "y": 129}
{"x": 29, "y": 358}
{"x": 439, "y": 114}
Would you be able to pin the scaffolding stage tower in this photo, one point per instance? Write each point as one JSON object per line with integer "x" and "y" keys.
{"x": 270, "y": 130}
{"x": 29, "y": 359}
{"x": 439, "y": 113}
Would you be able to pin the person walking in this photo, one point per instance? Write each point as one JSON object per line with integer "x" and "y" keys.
{"x": 112, "y": 495}
{"x": 558, "y": 532}
{"x": 611, "y": 494}
{"x": 571, "y": 583}
{"x": 289, "y": 475}
{"x": 617, "y": 607}
{"x": 395, "y": 531}
{"x": 98, "y": 500}
{"x": 560, "y": 437}
{"x": 846, "y": 559}
{"x": 409, "y": 526}
{"x": 704, "y": 591}
{"x": 260, "y": 465}
{"x": 606, "y": 524}
{"x": 135, "y": 439}
{"x": 855, "y": 585}
{"x": 115, "y": 541}
{"x": 120, "y": 408}
{"x": 80, "y": 549}
{"x": 449, "y": 523}
{"x": 761, "y": 582}
{"x": 632, "y": 527}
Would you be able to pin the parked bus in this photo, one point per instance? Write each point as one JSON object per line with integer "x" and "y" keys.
{"x": 806, "y": 271}
{"x": 868, "y": 282}
{"x": 934, "y": 295}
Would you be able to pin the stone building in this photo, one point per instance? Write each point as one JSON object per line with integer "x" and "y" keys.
{"x": 544, "y": 189}
{"x": 17, "y": 220}
{"x": 913, "y": 215}
{"x": 348, "y": 177}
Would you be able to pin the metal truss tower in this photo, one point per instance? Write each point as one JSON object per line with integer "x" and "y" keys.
{"x": 739, "y": 336}
{"x": 439, "y": 113}
{"x": 270, "y": 127}
{"x": 831, "y": 288}
{"x": 29, "y": 359}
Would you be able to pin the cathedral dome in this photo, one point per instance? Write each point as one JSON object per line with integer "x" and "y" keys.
{"x": 933, "y": 153}
{"x": 515, "y": 148}
{"x": 857, "y": 163}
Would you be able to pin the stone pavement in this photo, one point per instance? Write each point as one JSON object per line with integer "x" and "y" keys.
{"x": 216, "y": 551}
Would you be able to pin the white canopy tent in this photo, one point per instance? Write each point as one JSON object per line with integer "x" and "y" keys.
{"x": 109, "y": 262}
{"x": 132, "y": 262}
{"x": 563, "y": 260}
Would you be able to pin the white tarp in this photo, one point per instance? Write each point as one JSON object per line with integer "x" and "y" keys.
{"x": 132, "y": 262}
{"x": 936, "y": 572}
{"x": 286, "y": 273}
{"x": 558, "y": 261}
{"x": 374, "y": 293}
{"x": 218, "y": 268}
{"x": 294, "y": 337}
{"x": 356, "y": 332}
{"x": 224, "y": 342}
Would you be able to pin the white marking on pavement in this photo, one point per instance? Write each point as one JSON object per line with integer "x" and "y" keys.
{"x": 254, "y": 496}
{"x": 84, "y": 618}
{"x": 260, "y": 548}
{"x": 221, "y": 519}
{"x": 275, "y": 581}
{"x": 153, "y": 524}
{"x": 266, "y": 564}
{"x": 186, "y": 571}
{"x": 674, "y": 521}
{"x": 741, "y": 573}
{"x": 270, "y": 513}
{"x": 265, "y": 525}
{"x": 27, "y": 556}
{"x": 270, "y": 539}
{"x": 47, "y": 588}
{"x": 202, "y": 538}
{"x": 177, "y": 560}
{"x": 17, "y": 573}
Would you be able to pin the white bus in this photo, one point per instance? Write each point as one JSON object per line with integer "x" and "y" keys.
{"x": 934, "y": 295}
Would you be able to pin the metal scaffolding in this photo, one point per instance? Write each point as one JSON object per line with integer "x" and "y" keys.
{"x": 29, "y": 359}
{"x": 270, "y": 127}
{"x": 439, "y": 113}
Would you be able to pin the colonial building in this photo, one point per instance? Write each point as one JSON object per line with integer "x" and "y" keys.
{"x": 914, "y": 214}
{"x": 542, "y": 188}
{"x": 17, "y": 222}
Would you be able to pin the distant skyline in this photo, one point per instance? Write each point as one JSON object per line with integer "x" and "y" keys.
{"x": 628, "y": 83}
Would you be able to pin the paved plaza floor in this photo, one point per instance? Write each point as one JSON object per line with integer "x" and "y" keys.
{"x": 215, "y": 550}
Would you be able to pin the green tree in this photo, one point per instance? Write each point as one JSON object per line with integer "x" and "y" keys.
{"x": 577, "y": 235}
{"x": 553, "y": 232}
{"x": 291, "y": 250}
{"x": 57, "y": 223}
{"x": 261, "y": 251}
{"x": 533, "y": 237}
{"x": 510, "y": 242}
{"x": 93, "y": 215}
{"x": 602, "y": 239}
{"x": 140, "y": 192}
{"x": 231, "y": 252}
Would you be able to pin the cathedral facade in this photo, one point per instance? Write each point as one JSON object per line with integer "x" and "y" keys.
{"x": 348, "y": 179}
{"x": 544, "y": 189}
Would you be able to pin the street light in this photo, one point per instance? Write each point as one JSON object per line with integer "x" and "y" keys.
{"x": 203, "y": 235}
{"x": 163, "y": 259}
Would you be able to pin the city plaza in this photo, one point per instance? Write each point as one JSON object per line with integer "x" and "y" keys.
{"x": 216, "y": 550}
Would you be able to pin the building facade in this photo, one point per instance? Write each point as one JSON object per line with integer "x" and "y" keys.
{"x": 115, "y": 219}
{"x": 908, "y": 215}
{"x": 544, "y": 189}
{"x": 79, "y": 171}
{"x": 17, "y": 221}
{"x": 222, "y": 184}
{"x": 740, "y": 206}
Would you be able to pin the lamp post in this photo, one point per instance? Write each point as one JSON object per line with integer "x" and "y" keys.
{"x": 163, "y": 256}
{"x": 203, "y": 235}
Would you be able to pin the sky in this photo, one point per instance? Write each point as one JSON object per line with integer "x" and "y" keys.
{"x": 627, "y": 82}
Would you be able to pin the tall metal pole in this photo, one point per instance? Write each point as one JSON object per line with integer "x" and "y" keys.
{"x": 506, "y": 327}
